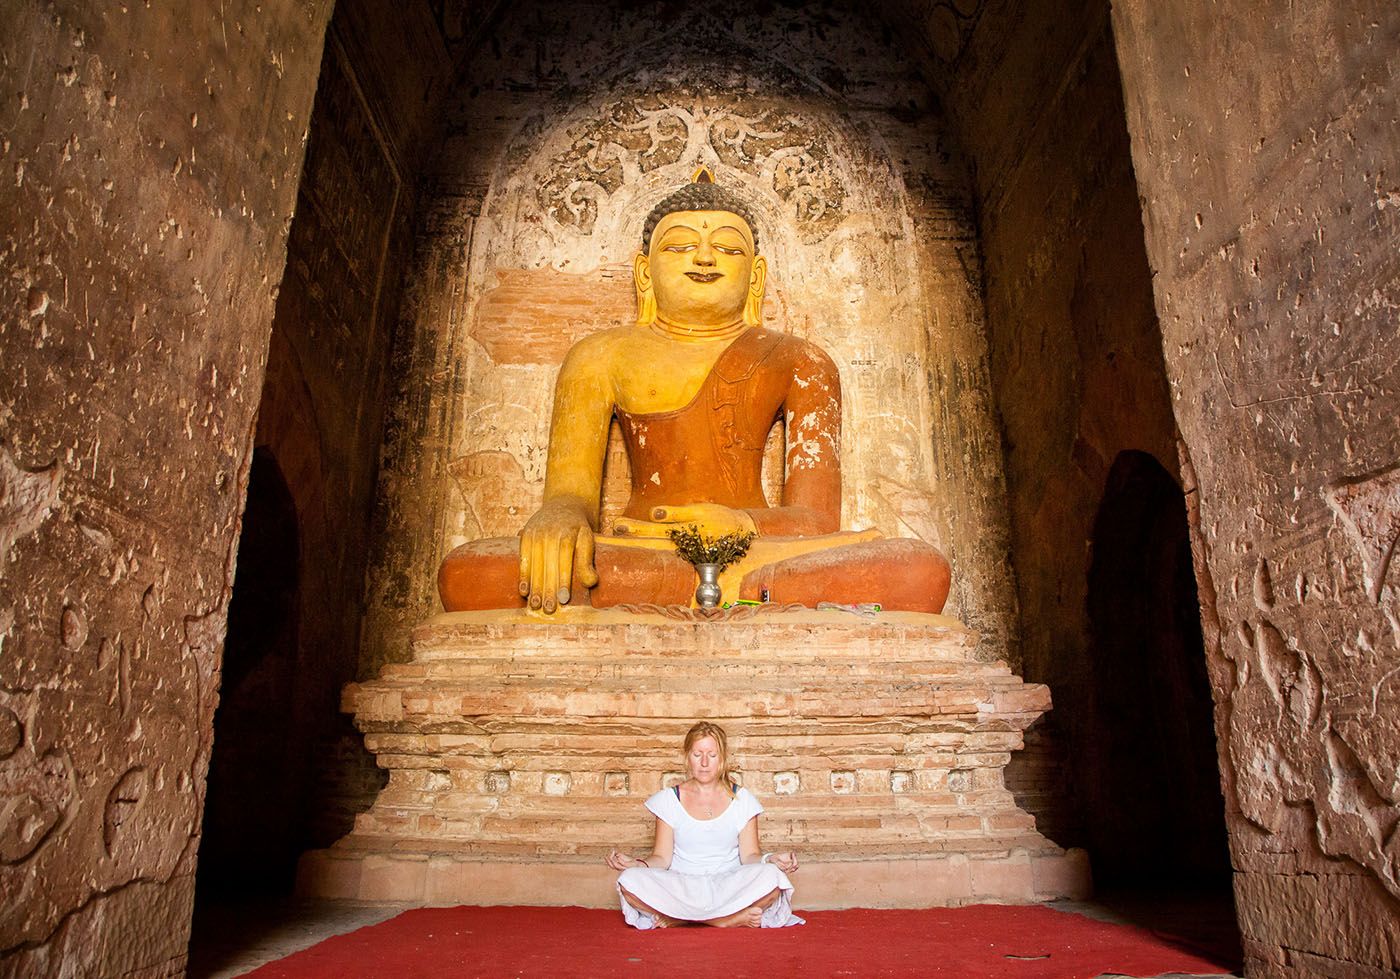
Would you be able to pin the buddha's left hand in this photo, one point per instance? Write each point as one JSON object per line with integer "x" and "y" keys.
{"x": 712, "y": 519}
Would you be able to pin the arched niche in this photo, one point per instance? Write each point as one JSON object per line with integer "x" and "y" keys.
{"x": 563, "y": 219}
{"x": 864, "y": 218}
{"x": 1149, "y": 774}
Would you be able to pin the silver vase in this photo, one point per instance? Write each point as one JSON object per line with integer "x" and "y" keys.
{"x": 707, "y": 592}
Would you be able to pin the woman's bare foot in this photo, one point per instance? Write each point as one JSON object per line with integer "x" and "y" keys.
{"x": 750, "y": 917}
{"x": 664, "y": 921}
{"x": 661, "y": 920}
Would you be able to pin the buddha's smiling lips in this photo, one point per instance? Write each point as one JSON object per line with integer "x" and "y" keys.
{"x": 704, "y": 276}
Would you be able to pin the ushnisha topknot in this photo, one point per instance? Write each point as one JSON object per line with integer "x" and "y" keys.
{"x": 701, "y": 195}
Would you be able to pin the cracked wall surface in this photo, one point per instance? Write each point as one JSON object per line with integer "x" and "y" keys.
{"x": 1080, "y": 384}
{"x": 571, "y": 126}
{"x": 1264, "y": 142}
{"x": 143, "y": 213}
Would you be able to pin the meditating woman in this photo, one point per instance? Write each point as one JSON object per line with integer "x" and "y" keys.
{"x": 705, "y": 865}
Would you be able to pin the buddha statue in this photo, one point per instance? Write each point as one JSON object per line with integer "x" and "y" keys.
{"x": 696, "y": 384}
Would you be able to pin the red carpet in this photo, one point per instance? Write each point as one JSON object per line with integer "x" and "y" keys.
{"x": 968, "y": 943}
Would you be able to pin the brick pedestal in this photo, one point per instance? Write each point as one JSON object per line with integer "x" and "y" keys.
{"x": 520, "y": 752}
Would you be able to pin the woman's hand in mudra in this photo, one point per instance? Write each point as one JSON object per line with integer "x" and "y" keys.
{"x": 785, "y": 861}
{"x": 618, "y": 860}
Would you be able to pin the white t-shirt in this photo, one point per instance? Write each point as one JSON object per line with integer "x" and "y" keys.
{"x": 704, "y": 846}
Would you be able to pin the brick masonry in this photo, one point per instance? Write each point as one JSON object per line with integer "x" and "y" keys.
{"x": 519, "y": 750}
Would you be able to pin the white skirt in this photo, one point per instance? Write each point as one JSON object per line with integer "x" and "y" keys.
{"x": 702, "y": 897}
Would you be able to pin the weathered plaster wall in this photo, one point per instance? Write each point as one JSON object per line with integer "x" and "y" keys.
{"x": 319, "y": 431}
{"x": 1264, "y": 139}
{"x": 1079, "y": 380}
{"x": 1075, "y": 348}
{"x": 143, "y": 215}
{"x": 571, "y": 126}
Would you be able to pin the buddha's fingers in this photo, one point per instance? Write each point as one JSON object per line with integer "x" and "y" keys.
{"x": 563, "y": 573}
{"x": 711, "y": 518}
{"x": 553, "y": 554}
{"x": 538, "y": 546}
{"x": 583, "y": 558}
{"x": 524, "y": 583}
{"x": 642, "y": 528}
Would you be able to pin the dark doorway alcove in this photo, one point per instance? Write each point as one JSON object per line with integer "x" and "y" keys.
{"x": 253, "y": 801}
{"x": 1152, "y": 800}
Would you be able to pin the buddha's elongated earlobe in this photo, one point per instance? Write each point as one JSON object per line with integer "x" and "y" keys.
{"x": 753, "y": 304}
{"x": 646, "y": 298}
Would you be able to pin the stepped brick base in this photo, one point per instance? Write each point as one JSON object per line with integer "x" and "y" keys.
{"x": 520, "y": 752}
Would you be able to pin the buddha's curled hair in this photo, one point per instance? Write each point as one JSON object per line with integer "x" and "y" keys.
{"x": 700, "y": 196}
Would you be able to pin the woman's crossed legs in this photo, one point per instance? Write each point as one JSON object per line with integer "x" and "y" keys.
{"x": 749, "y": 917}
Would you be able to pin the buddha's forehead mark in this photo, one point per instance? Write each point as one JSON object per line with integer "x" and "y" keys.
{"x": 681, "y": 226}
{"x": 696, "y": 221}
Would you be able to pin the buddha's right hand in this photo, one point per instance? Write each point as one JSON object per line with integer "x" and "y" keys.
{"x": 555, "y": 541}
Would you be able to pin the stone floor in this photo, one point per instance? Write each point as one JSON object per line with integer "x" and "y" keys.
{"x": 236, "y": 937}
{"x": 231, "y": 939}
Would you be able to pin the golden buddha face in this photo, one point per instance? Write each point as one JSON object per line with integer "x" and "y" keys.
{"x": 701, "y": 271}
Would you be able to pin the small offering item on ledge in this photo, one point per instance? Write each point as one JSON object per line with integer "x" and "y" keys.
{"x": 866, "y": 610}
{"x": 697, "y": 548}
{"x": 710, "y": 556}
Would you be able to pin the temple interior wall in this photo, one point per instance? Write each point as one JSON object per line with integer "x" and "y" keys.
{"x": 1264, "y": 144}
{"x": 143, "y": 224}
{"x": 563, "y": 140}
{"x": 1022, "y": 268}
{"x": 1080, "y": 388}
{"x": 290, "y": 769}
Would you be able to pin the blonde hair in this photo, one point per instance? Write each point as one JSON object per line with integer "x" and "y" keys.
{"x": 709, "y": 729}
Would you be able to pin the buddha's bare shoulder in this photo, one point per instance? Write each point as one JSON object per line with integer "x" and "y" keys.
{"x": 604, "y": 341}
{"x": 801, "y": 350}
{"x": 597, "y": 352}
{"x": 615, "y": 336}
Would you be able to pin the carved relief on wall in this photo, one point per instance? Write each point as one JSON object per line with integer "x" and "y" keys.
{"x": 1369, "y": 509}
{"x": 950, "y": 23}
{"x": 946, "y": 25}
{"x": 1307, "y": 738}
{"x": 751, "y": 136}
{"x": 101, "y": 751}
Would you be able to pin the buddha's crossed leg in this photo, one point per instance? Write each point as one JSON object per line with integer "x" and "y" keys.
{"x": 902, "y": 575}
